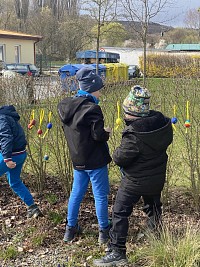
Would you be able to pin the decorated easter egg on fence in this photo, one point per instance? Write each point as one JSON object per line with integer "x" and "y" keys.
{"x": 49, "y": 125}
{"x": 118, "y": 121}
{"x": 39, "y": 131}
{"x": 29, "y": 126}
{"x": 187, "y": 124}
{"x": 46, "y": 157}
{"x": 33, "y": 122}
{"x": 174, "y": 120}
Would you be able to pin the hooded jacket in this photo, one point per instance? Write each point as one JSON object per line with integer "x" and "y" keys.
{"x": 83, "y": 126}
{"x": 142, "y": 153}
{"x": 12, "y": 137}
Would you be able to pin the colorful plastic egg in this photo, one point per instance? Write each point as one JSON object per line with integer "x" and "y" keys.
{"x": 187, "y": 124}
{"x": 46, "y": 157}
{"x": 49, "y": 125}
{"x": 33, "y": 122}
{"x": 174, "y": 120}
{"x": 118, "y": 121}
{"x": 39, "y": 131}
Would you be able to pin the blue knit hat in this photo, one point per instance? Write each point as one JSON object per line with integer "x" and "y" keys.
{"x": 89, "y": 81}
{"x": 137, "y": 102}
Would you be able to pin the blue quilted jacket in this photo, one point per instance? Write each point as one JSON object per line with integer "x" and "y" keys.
{"x": 12, "y": 137}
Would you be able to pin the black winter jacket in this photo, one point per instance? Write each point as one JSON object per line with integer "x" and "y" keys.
{"x": 12, "y": 137}
{"x": 83, "y": 125}
{"x": 142, "y": 153}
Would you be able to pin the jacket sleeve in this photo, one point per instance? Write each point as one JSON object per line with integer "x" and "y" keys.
{"x": 128, "y": 150}
{"x": 98, "y": 133}
{"x": 6, "y": 139}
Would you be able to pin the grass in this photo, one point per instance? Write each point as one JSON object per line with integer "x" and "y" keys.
{"x": 38, "y": 241}
{"x": 9, "y": 253}
{"x": 167, "y": 250}
{"x": 51, "y": 198}
{"x": 55, "y": 217}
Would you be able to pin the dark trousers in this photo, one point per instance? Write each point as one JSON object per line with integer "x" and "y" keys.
{"x": 123, "y": 207}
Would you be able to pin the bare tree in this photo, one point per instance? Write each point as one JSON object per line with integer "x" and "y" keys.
{"x": 75, "y": 35}
{"x": 60, "y": 7}
{"x": 100, "y": 11}
{"x": 142, "y": 12}
{"x": 192, "y": 19}
{"x": 7, "y": 15}
{"x": 21, "y": 8}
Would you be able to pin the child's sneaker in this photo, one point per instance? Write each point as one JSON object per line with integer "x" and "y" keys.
{"x": 71, "y": 232}
{"x": 113, "y": 258}
{"x": 34, "y": 212}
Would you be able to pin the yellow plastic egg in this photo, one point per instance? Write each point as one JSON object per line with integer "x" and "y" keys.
{"x": 118, "y": 121}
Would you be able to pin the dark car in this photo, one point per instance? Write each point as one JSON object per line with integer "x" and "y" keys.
{"x": 23, "y": 68}
{"x": 133, "y": 72}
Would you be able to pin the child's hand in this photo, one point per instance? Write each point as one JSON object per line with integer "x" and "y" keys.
{"x": 109, "y": 130}
{"x": 11, "y": 164}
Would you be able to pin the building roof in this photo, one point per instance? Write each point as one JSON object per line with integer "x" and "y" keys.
{"x": 19, "y": 35}
{"x": 183, "y": 47}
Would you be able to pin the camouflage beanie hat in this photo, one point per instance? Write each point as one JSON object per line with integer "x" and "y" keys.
{"x": 137, "y": 102}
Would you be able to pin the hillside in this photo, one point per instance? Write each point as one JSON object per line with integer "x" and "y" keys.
{"x": 154, "y": 28}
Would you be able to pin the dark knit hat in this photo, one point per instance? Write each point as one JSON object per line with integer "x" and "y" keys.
{"x": 89, "y": 81}
{"x": 137, "y": 102}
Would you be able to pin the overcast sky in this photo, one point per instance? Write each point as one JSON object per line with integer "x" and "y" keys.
{"x": 174, "y": 16}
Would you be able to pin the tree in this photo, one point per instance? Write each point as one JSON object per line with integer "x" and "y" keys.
{"x": 75, "y": 35}
{"x": 192, "y": 19}
{"x": 112, "y": 34}
{"x": 7, "y": 15}
{"x": 21, "y": 8}
{"x": 44, "y": 24}
{"x": 60, "y": 8}
{"x": 142, "y": 11}
{"x": 101, "y": 11}
{"x": 181, "y": 35}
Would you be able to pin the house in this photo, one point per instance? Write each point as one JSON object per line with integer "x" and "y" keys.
{"x": 16, "y": 47}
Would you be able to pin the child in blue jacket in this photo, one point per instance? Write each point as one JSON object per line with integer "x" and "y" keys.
{"x": 13, "y": 155}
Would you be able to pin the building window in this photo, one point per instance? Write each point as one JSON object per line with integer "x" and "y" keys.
{"x": 17, "y": 53}
{"x": 2, "y": 53}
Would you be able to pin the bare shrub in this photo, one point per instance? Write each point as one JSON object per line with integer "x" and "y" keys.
{"x": 183, "y": 164}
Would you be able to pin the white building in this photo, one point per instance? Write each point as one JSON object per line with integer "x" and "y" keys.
{"x": 129, "y": 56}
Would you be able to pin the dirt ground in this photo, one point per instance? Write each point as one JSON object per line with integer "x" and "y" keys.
{"x": 32, "y": 242}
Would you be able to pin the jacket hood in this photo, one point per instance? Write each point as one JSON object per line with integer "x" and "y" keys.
{"x": 10, "y": 111}
{"x": 68, "y": 107}
{"x": 160, "y": 137}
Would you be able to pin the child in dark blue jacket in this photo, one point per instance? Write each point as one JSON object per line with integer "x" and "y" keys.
{"x": 13, "y": 155}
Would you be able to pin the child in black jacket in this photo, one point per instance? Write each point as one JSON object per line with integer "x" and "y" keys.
{"x": 142, "y": 158}
{"x": 83, "y": 125}
{"x": 13, "y": 155}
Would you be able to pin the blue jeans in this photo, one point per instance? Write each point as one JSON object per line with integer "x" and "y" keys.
{"x": 100, "y": 188}
{"x": 13, "y": 177}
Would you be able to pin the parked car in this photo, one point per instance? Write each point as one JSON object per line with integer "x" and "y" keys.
{"x": 133, "y": 72}
{"x": 23, "y": 68}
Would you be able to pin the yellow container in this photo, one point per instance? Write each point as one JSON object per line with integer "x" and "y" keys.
{"x": 122, "y": 72}
{"x": 116, "y": 72}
